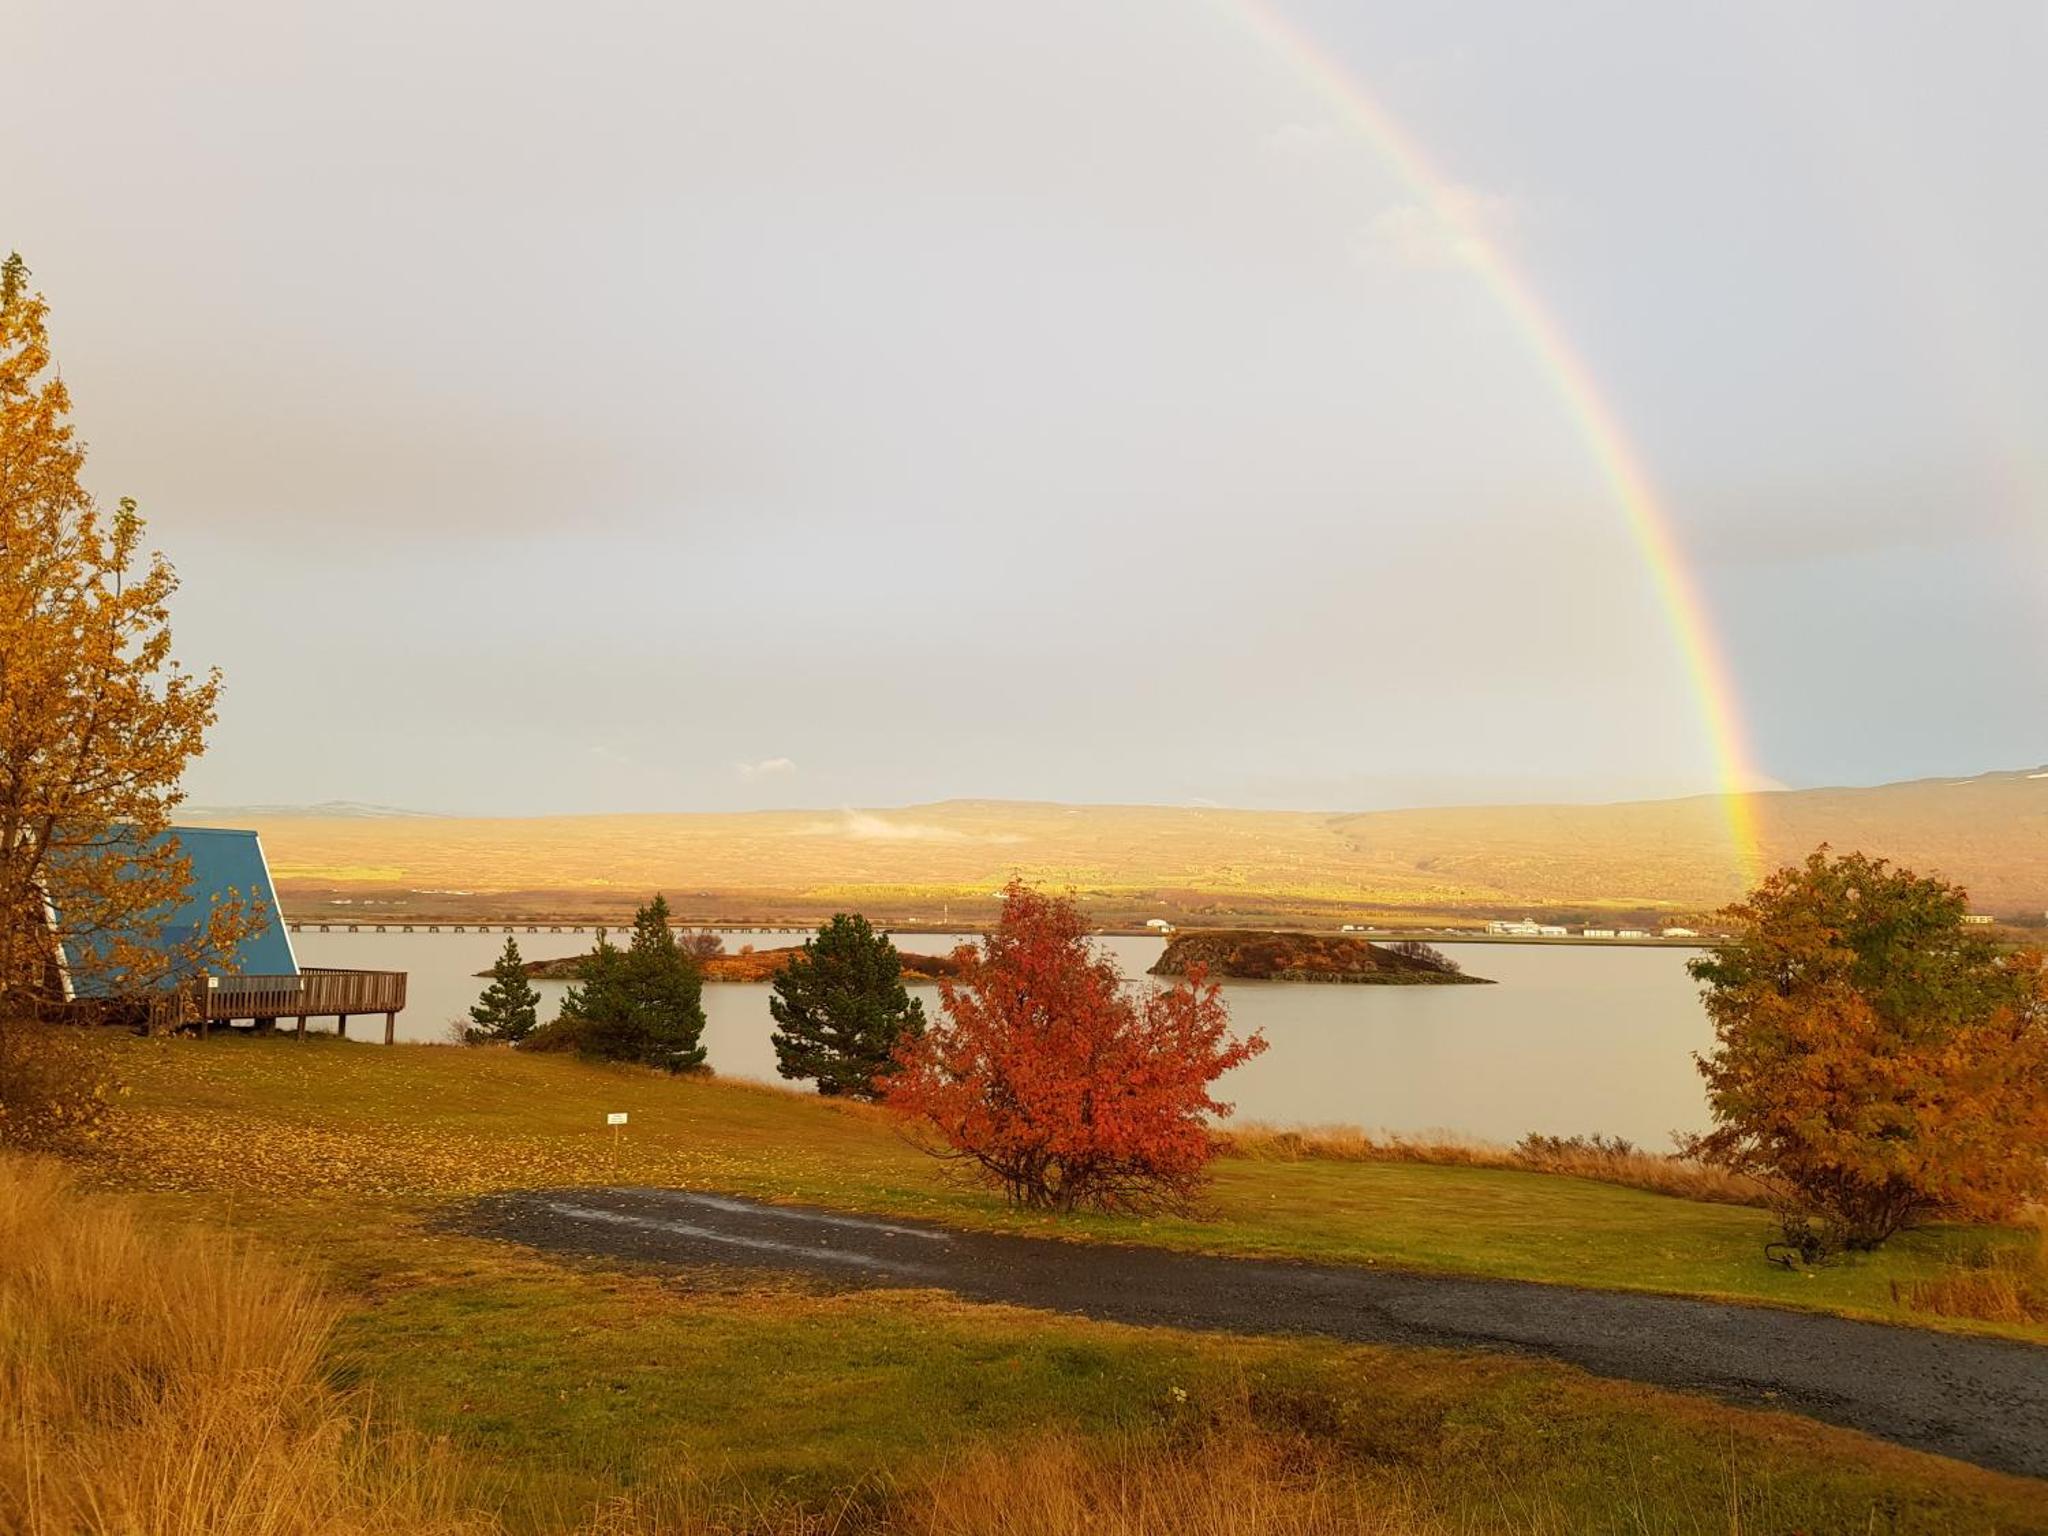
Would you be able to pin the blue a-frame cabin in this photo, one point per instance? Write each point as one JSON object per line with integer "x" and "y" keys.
{"x": 262, "y": 980}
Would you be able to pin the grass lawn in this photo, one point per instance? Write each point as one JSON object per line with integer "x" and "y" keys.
{"x": 426, "y": 1123}
{"x": 558, "y": 1385}
{"x": 577, "y": 1382}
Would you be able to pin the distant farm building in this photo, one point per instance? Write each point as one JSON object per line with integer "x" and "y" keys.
{"x": 261, "y": 981}
{"x": 1981, "y": 918}
{"x": 1521, "y": 928}
{"x": 1158, "y": 925}
{"x": 1552, "y": 931}
{"x": 1596, "y": 933}
{"x": 1680, "y": 933}
{"x": 1633, "y": 933}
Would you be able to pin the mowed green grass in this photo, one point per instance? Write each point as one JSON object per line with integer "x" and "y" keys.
{"x": 429, "y": 1123}
{"x": 558, "y": 1385}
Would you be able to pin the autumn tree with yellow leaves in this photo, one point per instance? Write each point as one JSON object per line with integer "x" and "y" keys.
{"x": 97, "y": 720}
{"x": 1877, "y": 1061}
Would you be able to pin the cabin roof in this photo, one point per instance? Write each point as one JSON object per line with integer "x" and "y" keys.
{"x": 224, "y": 860}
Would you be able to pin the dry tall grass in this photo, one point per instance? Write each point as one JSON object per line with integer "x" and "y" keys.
{"x": 2006, "y": 1285}
{"x": 156, "y": 1384}
{"x": 1582, "y": 1157}
{"x": 1234, "y": 1475}
{"x": 1235, "y": 1483}
{"x": 1061, "y": 1487}
{"x": 1235, "y": 1479}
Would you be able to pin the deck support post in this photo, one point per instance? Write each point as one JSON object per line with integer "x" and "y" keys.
{"x": 302, "y": 1027}
{"x": 390, "y": 1028}
{"x": 341, "y": 1025}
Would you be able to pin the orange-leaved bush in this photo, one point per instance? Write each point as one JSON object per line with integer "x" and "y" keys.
{"x": 1056, "y": 1080}
{"x": 1878, "y": 1060}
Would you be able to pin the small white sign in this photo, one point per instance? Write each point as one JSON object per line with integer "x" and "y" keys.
{"x": 616, "y": 1118}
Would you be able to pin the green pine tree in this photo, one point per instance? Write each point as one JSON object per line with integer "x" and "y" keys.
{"x": 642, "y": 1003}
{"x": 509, "y": 1006}
{"x": 588, "y": 1005}
{"x": 840, "y": 1007}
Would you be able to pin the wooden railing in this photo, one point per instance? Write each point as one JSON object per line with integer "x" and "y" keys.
{"x": 314, "y": 992}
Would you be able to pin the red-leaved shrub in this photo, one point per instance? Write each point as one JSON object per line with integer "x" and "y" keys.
{"x": 1057, "y": 1080}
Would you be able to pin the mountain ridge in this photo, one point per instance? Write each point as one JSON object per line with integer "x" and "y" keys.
{"x": 1988, "y": 832}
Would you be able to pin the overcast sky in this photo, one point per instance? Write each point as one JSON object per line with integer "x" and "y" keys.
{"x": 684, "y": 405}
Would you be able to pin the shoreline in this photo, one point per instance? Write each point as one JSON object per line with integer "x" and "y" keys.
{"x": 967, "y": 930}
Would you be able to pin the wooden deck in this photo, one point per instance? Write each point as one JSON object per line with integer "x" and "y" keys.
{"x": 316, "y": 992}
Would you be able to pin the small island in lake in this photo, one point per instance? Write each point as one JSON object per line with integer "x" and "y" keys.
{"x": 1244, "y": 954}
{"x": 747, "y": 965}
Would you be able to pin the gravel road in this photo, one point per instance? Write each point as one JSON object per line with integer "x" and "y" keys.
{"x": 1981, "y": 1400}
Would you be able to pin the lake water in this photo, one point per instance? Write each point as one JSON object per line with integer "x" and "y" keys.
{"x": 1573, "y": 1038}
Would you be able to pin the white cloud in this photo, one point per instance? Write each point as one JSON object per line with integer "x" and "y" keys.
{"x": 1452, "y": 230}
{"x": 766, "y": 768}
{"x": 865, "y": 827}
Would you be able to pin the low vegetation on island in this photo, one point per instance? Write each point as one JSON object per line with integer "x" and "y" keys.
{"x": 1241, "y": 954}
{"x": 748, "y": 964}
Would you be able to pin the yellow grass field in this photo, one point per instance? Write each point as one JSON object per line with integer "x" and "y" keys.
{"x": 1990, "y": 833}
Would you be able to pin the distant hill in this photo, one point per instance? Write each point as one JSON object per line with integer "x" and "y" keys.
{"x": 220, "y": 815}
{"x": 1989, "y": 832}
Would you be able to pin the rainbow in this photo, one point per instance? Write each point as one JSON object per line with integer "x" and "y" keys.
{"x": 1648, "y": 523}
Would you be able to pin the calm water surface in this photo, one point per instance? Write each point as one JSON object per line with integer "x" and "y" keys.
{"x": 1573, "y": 1039}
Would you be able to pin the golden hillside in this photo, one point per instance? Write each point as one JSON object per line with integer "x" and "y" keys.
{"x": 1989, "y": 832}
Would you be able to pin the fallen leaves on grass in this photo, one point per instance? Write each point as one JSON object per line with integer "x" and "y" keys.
{"x": 289, "y": 1118}
{"x": 229, "y": 1151}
